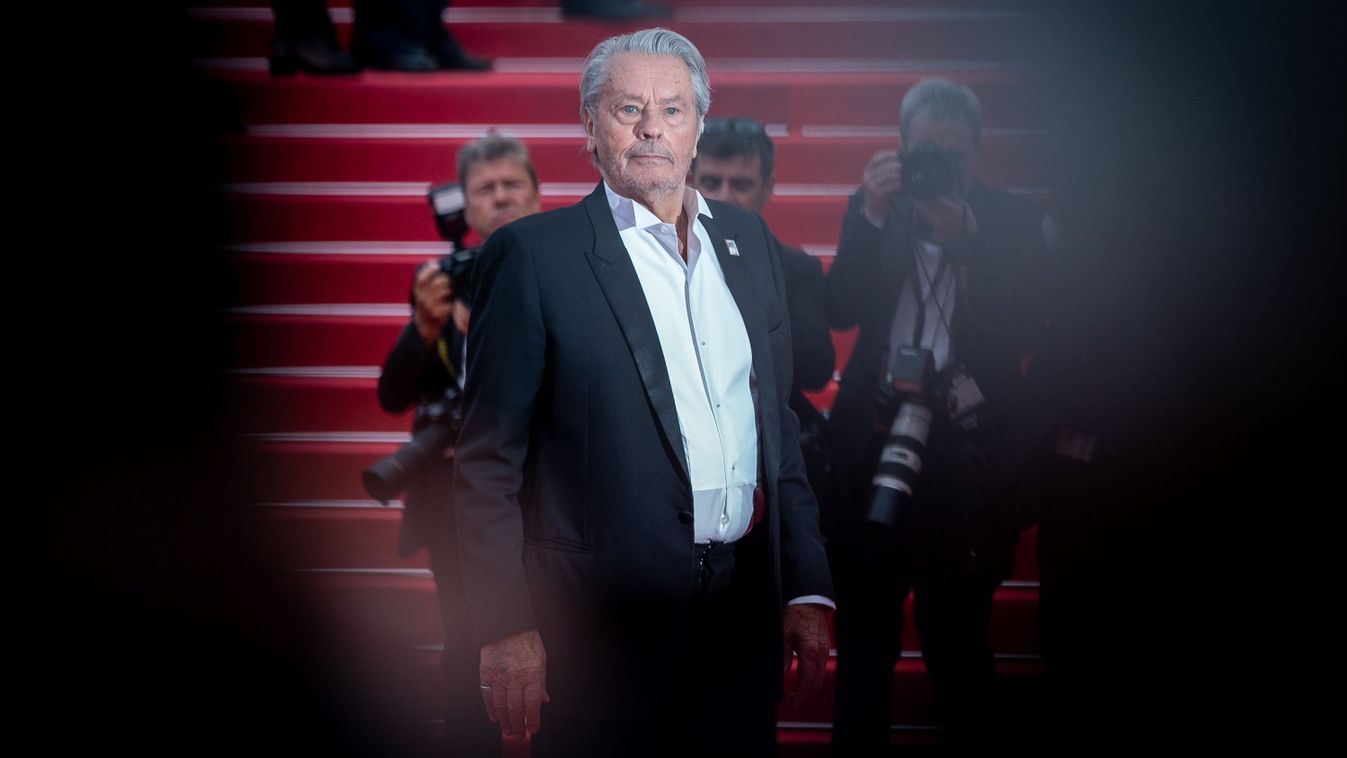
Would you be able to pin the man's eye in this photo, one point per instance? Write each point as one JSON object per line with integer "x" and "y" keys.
{"x": 629, "y": 109}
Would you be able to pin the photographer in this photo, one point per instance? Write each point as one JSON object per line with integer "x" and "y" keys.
{"x": 940, "y": 273}
{"x": 426, "y": 367}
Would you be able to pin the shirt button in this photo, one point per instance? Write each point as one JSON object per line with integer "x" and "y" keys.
{"x": 724, "y": 519}
{"x": 703, "y": 343}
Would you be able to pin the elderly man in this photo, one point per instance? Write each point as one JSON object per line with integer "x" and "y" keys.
{"x": 426, "y": 362}
{"x": 638, "y": 540}
{"x": 940, "y": 275}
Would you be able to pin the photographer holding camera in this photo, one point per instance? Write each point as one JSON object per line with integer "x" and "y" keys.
{"x": 940, "y": 272}
{"x": 497, "y": 184}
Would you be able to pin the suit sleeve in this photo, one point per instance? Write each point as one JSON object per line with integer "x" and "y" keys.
{"x": 804, "y": 563}
{"x": 851, "y": 280}
{"x": 810, "y": 338}
{"x": 506, "y": 351}
{"x": 403, "y": 371}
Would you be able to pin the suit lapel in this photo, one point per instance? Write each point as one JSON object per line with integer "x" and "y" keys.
{"x": 741, "y": 280}
{"x": 617, "y": 278}
{"x": 745, "y": 287}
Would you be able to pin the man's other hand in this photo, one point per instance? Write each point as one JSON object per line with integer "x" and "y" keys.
{"x": 433, "y": 296}
{"x": 951, "y": 221}
{"x": 805, "y": 629}
{"x": 514, "y": 682}
{"x": 883, "y": 176}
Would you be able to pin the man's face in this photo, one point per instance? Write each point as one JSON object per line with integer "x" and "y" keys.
{"x": 498, "y": 192}
{"x": 953, "y": 136}
{"x": 736, "y": 180}
{"x": 644, "y": 127}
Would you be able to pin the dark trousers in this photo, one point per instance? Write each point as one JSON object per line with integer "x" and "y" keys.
{"x": 468, "y": 731}
{"x": 952, "y": 613}
{"x": 720, "y": 705}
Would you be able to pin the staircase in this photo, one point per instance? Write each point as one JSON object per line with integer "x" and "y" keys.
{"x": 325, "y": 183}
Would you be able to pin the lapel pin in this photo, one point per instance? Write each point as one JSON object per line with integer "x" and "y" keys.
{"x": 734, "y": 249}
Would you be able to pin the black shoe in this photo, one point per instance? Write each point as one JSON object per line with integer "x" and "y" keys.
{"x": 407, "y": 59}
{"x": 309, "y": 57}
{"x": 451, "y": 57}
{"x": 612, "y": 10}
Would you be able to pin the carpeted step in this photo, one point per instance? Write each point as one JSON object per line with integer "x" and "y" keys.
{"x": 806, "y": 103}
{"x": 380, "y": 156}
{"x": 347, "y": 335}
{"x": 336, "y": 399}
{"x": 277, "y": 403}
{"x": 320, "y": 340}
{"x": 719, "y": 32}
{"x": 308, "y": 467}
{"x": 260, "y": 214}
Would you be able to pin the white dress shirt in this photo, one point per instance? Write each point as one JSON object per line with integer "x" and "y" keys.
{"x": 936, "y": 281}
{"x": 709, "y": 358}
{"x": 710, "y": 361}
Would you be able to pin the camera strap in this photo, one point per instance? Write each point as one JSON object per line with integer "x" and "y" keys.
{"x": 919, "y": 272}
{"x": 442, "y": 350}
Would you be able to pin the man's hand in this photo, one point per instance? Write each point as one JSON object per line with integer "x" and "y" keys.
{"x": 805, "y": 631}
{"x": 883, "y": 176}
{"x": 951, "y": 221}
{"x": 514, "y": 682}
{"x": 433, "y": 295}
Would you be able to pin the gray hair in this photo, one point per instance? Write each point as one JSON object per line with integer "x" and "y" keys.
{"x": 943, "y": 100}
{"x": 645, "y": 42}
{"x": 493, "y": 147}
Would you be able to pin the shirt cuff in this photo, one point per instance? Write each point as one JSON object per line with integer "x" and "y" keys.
{"x": 819, "y": 599}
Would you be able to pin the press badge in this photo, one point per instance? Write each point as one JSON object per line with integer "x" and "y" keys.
{"x": 963, "y": 396}
{"x": 1076, "y": 444}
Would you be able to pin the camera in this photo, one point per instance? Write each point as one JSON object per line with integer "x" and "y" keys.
{"x": 901, "y": 393}
{"x": 439, "y": 423}
{"x": 447, "y": 203}
{"x": 929, "y": 172}
{"x": 458, "y": 266}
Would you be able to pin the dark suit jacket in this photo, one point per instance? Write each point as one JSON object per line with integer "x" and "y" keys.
{"x": 414, "y": 374}
{"x": 571, "y": 484}
{"x": 811, "y": 340}
{"x": 996, "y": 326}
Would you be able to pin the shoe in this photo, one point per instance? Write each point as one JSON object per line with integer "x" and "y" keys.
{"x": 451, "y": 57}
{"x": 413, "y": 59}
{"x": 613, "y": 10}
{"x": 309, "y": 57}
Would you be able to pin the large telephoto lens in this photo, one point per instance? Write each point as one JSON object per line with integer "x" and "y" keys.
{"x": 900, "y": 463}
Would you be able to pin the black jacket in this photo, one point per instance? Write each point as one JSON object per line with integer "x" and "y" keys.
{"x": 996, "y": 327}
{"x": 571, "y": 486}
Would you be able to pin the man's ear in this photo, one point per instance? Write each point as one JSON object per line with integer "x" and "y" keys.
{"x": 770, "y": 184}
{"x": 587, "y": 123}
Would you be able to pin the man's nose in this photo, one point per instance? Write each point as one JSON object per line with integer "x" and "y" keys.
{"x": 649, "y": 126}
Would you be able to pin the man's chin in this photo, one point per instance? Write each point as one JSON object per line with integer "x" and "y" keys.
{"x": 646, "y": 184}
